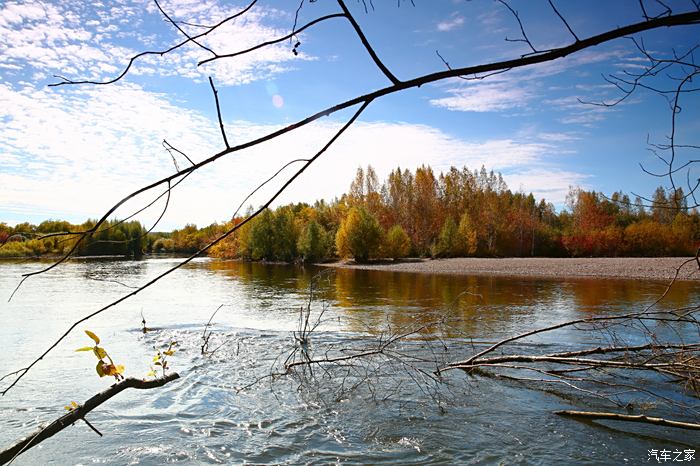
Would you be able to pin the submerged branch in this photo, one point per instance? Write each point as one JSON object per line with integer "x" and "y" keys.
{"x": 630, "y": 418}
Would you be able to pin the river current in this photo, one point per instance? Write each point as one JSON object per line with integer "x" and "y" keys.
{"x": 225, "y": 409}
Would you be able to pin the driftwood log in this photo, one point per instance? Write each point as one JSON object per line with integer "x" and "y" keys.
{"x": 8, "y": 454}
{"x": 630, "y": 418}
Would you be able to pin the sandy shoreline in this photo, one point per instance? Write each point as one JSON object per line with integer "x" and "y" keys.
{"x": 650, "y": 268}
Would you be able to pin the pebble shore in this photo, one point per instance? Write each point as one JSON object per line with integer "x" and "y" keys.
{"x": 650, "y": 268}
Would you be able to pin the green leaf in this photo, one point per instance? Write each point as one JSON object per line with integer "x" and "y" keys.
{"x": 85, "y": 348}
{"x": 100, "y": 368}
{"x": 94, "y": 337}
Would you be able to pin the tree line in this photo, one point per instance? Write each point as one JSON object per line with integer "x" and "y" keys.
{"x": 114, "y": 238}
{"x": 458, "y": 213}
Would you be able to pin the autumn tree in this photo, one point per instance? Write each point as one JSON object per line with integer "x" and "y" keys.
{"x": 467, "y": 235}
{"x": 425, "y": 201}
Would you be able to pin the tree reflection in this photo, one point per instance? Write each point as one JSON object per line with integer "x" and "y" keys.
{"x": 480, "y": 307}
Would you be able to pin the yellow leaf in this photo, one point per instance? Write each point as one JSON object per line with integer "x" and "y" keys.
{"x": 111, "y": 369}
{"x": 169, "y": 352}
{"x": 151, "y": 373}
{"x": 73, "y": 405}
{"x": 99, "y": 352}
{"x": 156, "y": 357}
{"x": 84, "y": 348}
{"x": 95, "y": 338}
{"x": 100, "y": 368}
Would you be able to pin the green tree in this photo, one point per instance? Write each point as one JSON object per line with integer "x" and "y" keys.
{"x": 261, "y": 239}
{"x": 448, "y": 244}
{"x": 313, "y": 242}
{"x": 284, "y": 235}
{"x": 397, "y": 243}
{"x": 359, "y": 235}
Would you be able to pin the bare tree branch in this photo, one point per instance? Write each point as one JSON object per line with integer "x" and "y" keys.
{"x": 551, "y": 3}
{"x": 210, "y": 29}
{"x": 218, "y": 112}
{"x": 367, "y": 45}
{"x": 274, "y": 41}
{"x": 68, "y": 419}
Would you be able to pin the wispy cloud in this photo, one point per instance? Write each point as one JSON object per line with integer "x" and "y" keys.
{"x": 574, "y": 111}
{"x": 523, "y": 87}
{"x": 453, "y": 22}
{"x": 557, "y": 137}
{"x": 486, "y": 97}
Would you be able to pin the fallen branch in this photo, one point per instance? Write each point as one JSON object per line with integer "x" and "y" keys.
{"x": 10, "y": 453}
{"x": 630, "y": 418}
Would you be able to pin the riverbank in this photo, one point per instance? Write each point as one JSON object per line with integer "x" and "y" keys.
{"x": 650, "y": 268}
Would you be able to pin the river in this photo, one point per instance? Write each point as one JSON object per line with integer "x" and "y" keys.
{"x": 216, "y": 414}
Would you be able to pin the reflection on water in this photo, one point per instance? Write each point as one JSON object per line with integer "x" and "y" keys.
{"x": 501, "y": 304}
{"x": 203, "y": 419}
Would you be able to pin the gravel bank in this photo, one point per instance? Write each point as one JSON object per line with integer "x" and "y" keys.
{"x": 651, "y": 268}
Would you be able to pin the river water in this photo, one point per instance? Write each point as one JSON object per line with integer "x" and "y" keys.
{"x": 217, "y": 413}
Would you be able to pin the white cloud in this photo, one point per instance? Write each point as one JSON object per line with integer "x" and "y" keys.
{"x": 75, "y": 152}
{"x": 517, "y": 88}
{"x": 577, "y": 112}
{"x": 80, "y": 150}
{"x": 486, "y": 97}
{"x": 451, "y": 23}
{"x": 549, "y": 183}
{"x": 52, "y": 38}
{"x": 246, "y": 31}
{"x": 84, "y": 41}
{"x": 557, "y": 137}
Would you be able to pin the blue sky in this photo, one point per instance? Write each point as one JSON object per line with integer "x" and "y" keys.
{"x": 70, "y": 152}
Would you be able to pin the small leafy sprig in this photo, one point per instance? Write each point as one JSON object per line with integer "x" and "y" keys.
{"x": 105, "y": 364}
{"x": 73, "y": 405}
{"x": 161, "y": 359}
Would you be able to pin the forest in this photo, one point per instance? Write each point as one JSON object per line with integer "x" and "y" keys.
{"x": 458, "y": 213}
